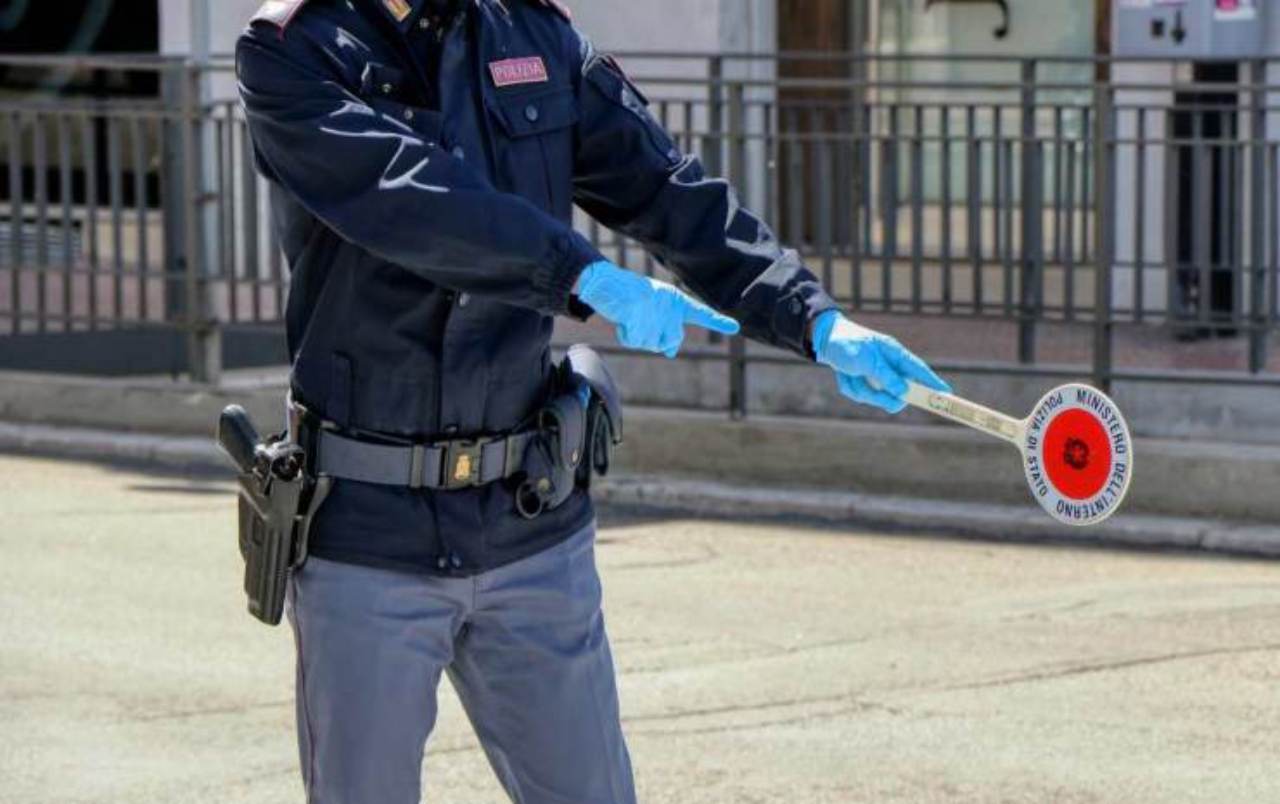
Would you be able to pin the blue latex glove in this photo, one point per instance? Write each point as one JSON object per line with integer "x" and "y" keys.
{"x": 650, "y": 315}
{"x": 871, "y": 367}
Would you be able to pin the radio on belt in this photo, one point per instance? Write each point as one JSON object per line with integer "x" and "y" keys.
{"x": 1192, "y": 29}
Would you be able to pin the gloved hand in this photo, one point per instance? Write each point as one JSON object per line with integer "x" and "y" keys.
{"x": 871, "y": 367}
{"x": 650, "y": 315}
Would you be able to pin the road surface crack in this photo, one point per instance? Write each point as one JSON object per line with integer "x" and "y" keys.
{"x": 1106, "y": 667}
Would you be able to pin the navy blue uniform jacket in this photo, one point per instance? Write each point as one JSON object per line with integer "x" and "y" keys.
{"x": 423, "y": 179}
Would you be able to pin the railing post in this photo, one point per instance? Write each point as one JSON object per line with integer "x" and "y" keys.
{"x": 738, "y": 176}
{"x": 204, "y": 338}
{"x": 1104, "y": 227}
{"x": 1032, "y": 219}
{"x": 1258, "y": 224}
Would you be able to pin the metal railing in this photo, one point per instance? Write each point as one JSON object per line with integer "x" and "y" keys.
{"x": 1126, "y": 228}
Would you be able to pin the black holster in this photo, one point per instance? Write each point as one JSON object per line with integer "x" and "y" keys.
{"x": 578, "y": 430}
{"x": 277, "y": 502}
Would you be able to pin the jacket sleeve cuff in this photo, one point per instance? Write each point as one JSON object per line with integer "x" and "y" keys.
{"x": 554, "y": 278}
{"x": 812, "y": 302}
{"x": 792, "y": 297}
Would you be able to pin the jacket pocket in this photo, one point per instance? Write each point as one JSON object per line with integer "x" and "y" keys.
{"x": 537, "y": 130}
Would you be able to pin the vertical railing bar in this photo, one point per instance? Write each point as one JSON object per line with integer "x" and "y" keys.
{"x": 593, "y": 233}
{"x": 1103, "y": 320}
{"x": 224, "y": 168}
{"x": 1222, "y": 264}
{"x": 867, "y": 149}
{"x": 809, "y": 160}
{"x": 89, "y": 133}
{"x": 1176, "y": 265}
{"x": 275, "y": 263}
{"x": 997, "y": 182}
{"x": 1087, "y": 162}
{"x": 827, "y": 209}
{"x": 795, "y": 181}
{"x": 650, "y": 267}
{"x": 40, "y": 174}
{"x": 857, "y": 210}
{"x": 889, "y": 210}
{"x": 841, "y": 181}
{"x": 663, "y": 114}
{"x": 1031, "y": 217}
{"x": 785, "y": 222}
{"x": 944, "y": 131}
{"x": 249, "y": 205}
{"x": 975, "y": 205}
{"x": 1034, "y": 279}
{"x": 620, "y": 244}
{"x": 688, "y": 126}
{"x": 1272, "y": 293}
{"x": 1069, "y": 234}
{"x": 13, "y": 130}
{"x": 714, "y": 142}
{"x": 1140, "y": 218}
{"x": 169, "y": 201}
{"x": 1201, "y": 218}
{"x": 917, "y": 210}
{"x": 1237, "y": 212}
{"x": 1057, "y": 181}
{"x": 844, "y": 185}
{"x": 68, "y": 229}
{"x": 1005, "y": 217}
{"x": 138, "y": 141}
{"x": 115, "y": 183}
{"x": 1258, "y": 219}
{"x": 193, "y": 201}
{"x": 773, "y": 154}
{"x": 738, "y": 169}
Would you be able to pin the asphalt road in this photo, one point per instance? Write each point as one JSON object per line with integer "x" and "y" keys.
{"x": 759, "y": 662}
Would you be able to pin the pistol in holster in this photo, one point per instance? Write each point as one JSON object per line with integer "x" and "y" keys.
{"x": 278, "y": 500}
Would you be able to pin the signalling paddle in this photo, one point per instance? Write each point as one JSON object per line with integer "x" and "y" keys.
{"x": 1077, "y": 453}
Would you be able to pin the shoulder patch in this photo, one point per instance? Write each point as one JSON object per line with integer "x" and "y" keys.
{"x": 556, "y": 6}
{"x": 279, "y": 12}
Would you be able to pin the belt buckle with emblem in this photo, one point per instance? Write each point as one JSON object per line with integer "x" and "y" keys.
{"x": 462, "y": 464}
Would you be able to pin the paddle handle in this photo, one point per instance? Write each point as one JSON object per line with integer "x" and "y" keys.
{"x": 970, "y": 414}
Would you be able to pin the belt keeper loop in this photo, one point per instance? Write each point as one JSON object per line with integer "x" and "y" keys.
{"x": 417, "y": 465}
{"x": 512, "y": 457}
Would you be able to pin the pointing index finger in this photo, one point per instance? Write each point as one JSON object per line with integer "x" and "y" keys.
{"x": 913, "y": 368}
{"x": 701, "y": 315}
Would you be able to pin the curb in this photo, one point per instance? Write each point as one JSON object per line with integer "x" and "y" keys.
{"x": 995, "y": 522}
{"x": 179, "y": 453}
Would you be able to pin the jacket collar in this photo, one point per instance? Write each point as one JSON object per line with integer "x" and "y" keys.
{"x": 404, "y": 13}
{"x": 401, "y": 13}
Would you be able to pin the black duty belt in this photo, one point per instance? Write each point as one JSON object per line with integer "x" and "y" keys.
{"x": 448, "y": 465}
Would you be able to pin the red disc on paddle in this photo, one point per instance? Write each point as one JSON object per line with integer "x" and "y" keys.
{"x": 1077, "y": 454}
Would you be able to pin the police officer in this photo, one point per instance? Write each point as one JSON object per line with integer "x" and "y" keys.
{"x": 424, "y": 158}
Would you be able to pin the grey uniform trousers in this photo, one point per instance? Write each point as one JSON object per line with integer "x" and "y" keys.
{"x": 524, "y": 646}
